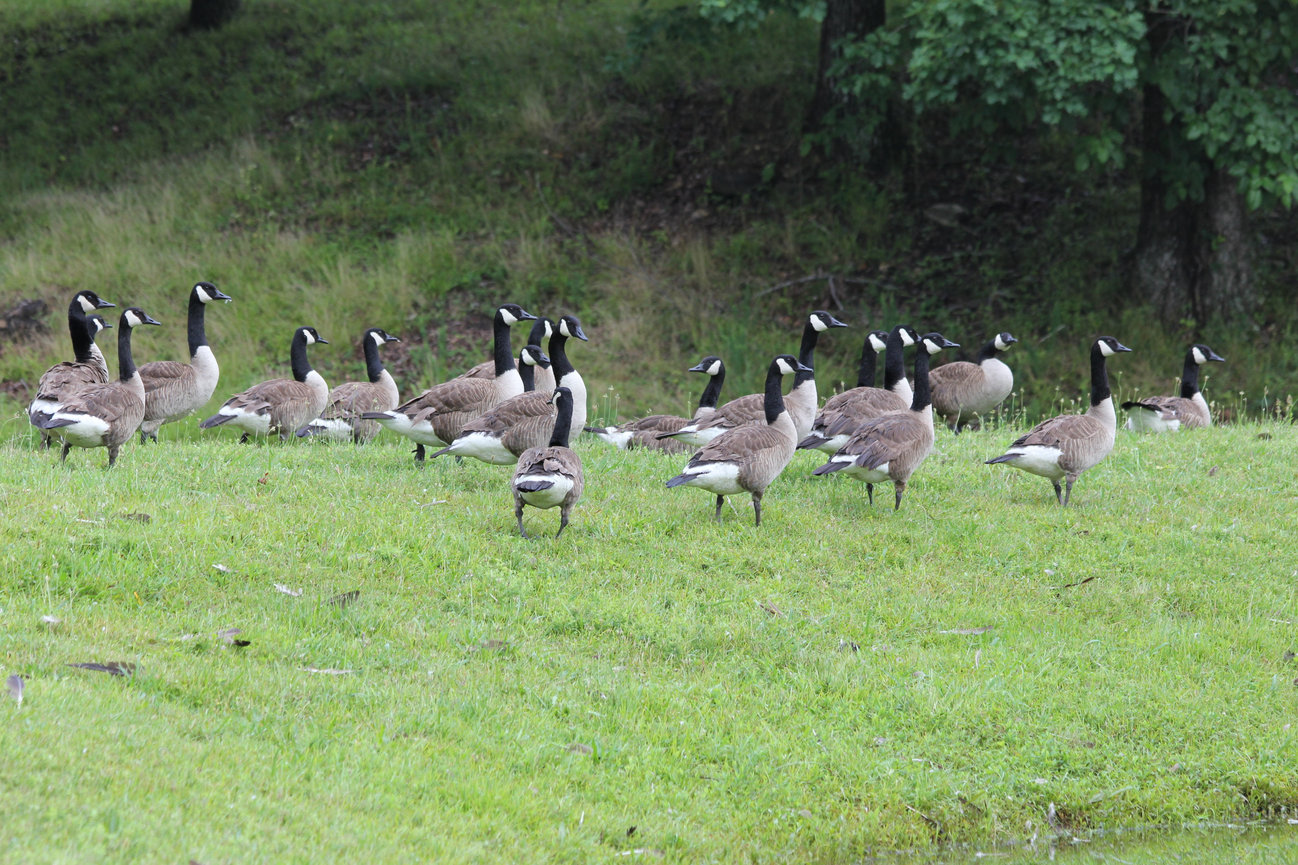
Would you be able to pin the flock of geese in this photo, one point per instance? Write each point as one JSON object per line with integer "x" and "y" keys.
{"x": 524, "y": 412}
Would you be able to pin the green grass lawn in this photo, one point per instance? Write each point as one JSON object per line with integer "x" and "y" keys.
{"x": 841, "y": 681}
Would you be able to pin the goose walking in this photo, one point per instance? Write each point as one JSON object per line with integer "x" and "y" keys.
{"x": 87, "y": 368}
{"x": 892, "y": 446}
{"x": 802, "y": 399}
{"x": 172, "y": 390}
{"x": 748, "y": 458}
{"x": 1063, "y": 447}
{"x": 437, "y": 416}
{"x": 963, "y": 390}
{"x": 105, "y": 415}
{"x": 278, "y": 406}
{"x": 550, "y": 476}
{"x": 844, "y": 412}
{"x": 341, "y": 419}
{"x": 1171, "y": 413}
{"x": 648, "y": 432}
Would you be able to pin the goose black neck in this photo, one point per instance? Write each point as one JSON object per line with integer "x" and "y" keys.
{"x": 527, "y": 373}
{"x": 79, "y": 328}
{"x": 562, "y": 423}
{"x": 923, "y": 395}
{"x": 807, "y": 354}
{"x": 1189, "y": 376}
{"x": 373, "y": 363}
{"x": 894, "y": 359}
{"x": 197, "y": 333}
{"x": 559, "y": 356}
{"x": 988, "y": 351}
{"x": 297, "y": 355}
{"x": 712, "y": 392}
{"x": 503, "y": 354}
{"x": 865, "y": 370}
{"x": 1099, "y": 376}
{"x": 125, "y": 363}
{"x": 773, "y": 401}
{"x": 537, "y": 333}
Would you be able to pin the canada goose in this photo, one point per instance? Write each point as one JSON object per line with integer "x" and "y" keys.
{"x": 1069, "y": 444}
{"x": 648, "y": 432}
{"x": 551, "y": 476}
{"x": 844, "y": 412}
{"x": 507, "y": 429}
{"x": 105, "y": 415}
{"x": 341, "y": 419}
{"x": 62, "y": 380}
{"x": 172, "y": 389}
{"x": 892, "y": 446}
{"x": 962, "y": 389}
{"x": 747, "y": 458}
{"x": 87, "y": 368}
{"x": 802, "y": 399}
{"x": 542, "y": 330}
{"x": 437, "y": 415}
{"x": 281, "y": 405}
{"x": 1170, "y": 413}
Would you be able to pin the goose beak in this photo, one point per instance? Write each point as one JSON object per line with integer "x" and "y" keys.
{"x": 103, "y": 304}
{"x": 322, "y": 340}
{"x": 106, "y": 325}
{"x": 833, "y": 322}
{"x": 217, "y": 294}
{"x": 1007, "y": 339}
{"x": 526, "y": 316}
{"x": 699, "y": 367}
{"x": 1122, "y": 347}
{"x": 391, "y": 338}
{"x": 580, "y": 334}
{"x": 542, "y": 360}
{"x": 1212, "y": 355}
{"x": 148, "y": 319}
{"x": 802, "y": 367}
{"x": 946, "y": 343}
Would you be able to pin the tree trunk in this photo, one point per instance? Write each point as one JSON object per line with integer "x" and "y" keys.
{"x": 1192, "y": 259}
{"x": 210, "y": 14}
{"x": 844, "y": 19}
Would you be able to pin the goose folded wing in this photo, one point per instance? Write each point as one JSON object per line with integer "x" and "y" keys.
{"x": 739, "y": 446}
{"x": 161, "y": 377}
{"x": 62, "y": 378}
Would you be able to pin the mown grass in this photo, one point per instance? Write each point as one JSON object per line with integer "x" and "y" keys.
{"x": 841, "y": 681}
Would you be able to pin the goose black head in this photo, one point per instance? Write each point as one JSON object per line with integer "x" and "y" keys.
{"x": 134, "y": 317}
{"x": 206, "y": 293}
{"x": 1003, "y": 341}
{"x": 935, "y": 342}
{"x": 311, "y": 336}
{"x": 1109, "y": 346}
{"x": 533, "y": 356}
{"x": 381, "y": 336}
{"x": 711, "y": 365}
{"x": 823, "y": 321}
{"x": 512, "y": 312}
{"x": 1202, "y": 354}
{"x": 89, "y": 301}
{"x": 878, "y": 340}
{"x": 95, "y": 324}
{"x": 571, "y": 327}
{"x": 787, "y": 363}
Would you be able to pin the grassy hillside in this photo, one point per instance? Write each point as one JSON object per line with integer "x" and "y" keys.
{"x": 408, "y": 164}
{"x": 654, "y": 681}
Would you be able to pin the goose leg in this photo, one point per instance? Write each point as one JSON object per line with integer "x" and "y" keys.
{"x": 901, "y": 488}
{"x": 112, "y": 454}
{"x": 63, "y": 457}
{"x": 563, "y": 522}
{"x": 869, "y": 491}
{"x": 518, "y": 512}
{"x": 243, "y": 439}
{"x": 1068, "y": 493}
{"x": 1059, "y": 491}
{"x": 757, "y": 508}
{"x": 419, "y": 457}
{"x": 45, "y": 440}
{"x": 720, "y": 501}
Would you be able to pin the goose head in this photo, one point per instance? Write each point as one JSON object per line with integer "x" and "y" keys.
{"x": 96, "y": 323}
{"x": 89, "y": 301}
{"x": 533, "y": 356}
{"x": 935, "y": 342}
{"x": 311, "y": 336}
{"x": 381, "y": 336}
{"x": 1003, "y": 341}
{"x": 134, "y": 317}
{"x": 823, "y": 321}
{"x": 206, "y": 293}
{"x": 1109, "y": 346}
{"x": 1202, "y": 354}
{"x": 878, "y": 340}
{"x": 711, "y": 365}
{"x": 569, "y": 326}
{"x": 787, "y": 363}
{"x": 510, "y": 313}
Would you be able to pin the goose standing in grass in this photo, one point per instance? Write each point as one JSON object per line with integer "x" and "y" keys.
{"x": 341, "y": 419}
{"x": 503, "y": 432}
{"x": 802, "y": 399}
{"x": 550, "y": 476}
{"x": 844, "y": 412}
{"x": 542, "y": 330}
{"x": 1065, "y": 446}
{"x": 437, "y": 415}
{"x": 747, "y": 458}
{"x": 279, "y": 406}
{"x": 87, "y": 368}
{"x": 892, "y": 446}
{"x": 1171, "y": 413}
{"x": 648, "y": 432}
{"x": 105, "y": 415}
{"x": 962, "y": 390}
{"x": 172, "y": 389}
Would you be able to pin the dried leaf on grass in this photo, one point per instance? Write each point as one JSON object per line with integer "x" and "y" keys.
{"x": 580, "y": 748}
{"x": 328, "y": 671}
{"x": 112, "y": 668}
{"x": 341, "y": 601}
{"x": 495, "y": 645}
{"x": 770, "y": 608}
{"x": 292, "y": 593}
{"x": 137, "y": 517}
{"x": 14, "y": 684}
{"x": 967, "y": 632}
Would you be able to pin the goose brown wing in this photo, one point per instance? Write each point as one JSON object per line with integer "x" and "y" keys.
{"x": 114, "y": 403}
{"x": 738, "y": 444}
{"x": 67, "y": 377}
{"x": 884, "y": 439}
